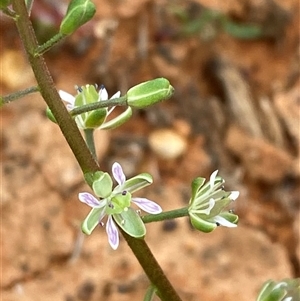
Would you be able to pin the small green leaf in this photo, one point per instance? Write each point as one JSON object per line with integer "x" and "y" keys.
{"x": 92, "y": 220}
{"x": 131, "y": 223}
{"x": 79, "y": 12}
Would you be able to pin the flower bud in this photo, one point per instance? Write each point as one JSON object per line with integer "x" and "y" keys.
{"x": 149, "y": 93}
{"x": 79, "y": 12}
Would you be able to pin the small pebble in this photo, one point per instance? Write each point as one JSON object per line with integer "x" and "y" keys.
{"x": 167, "y": 144}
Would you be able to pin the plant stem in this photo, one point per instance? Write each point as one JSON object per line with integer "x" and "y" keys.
{"x": 151, "y": 267}
{"x": 49, "y": 44}
{"x": 165, "y": 215}
{"x": 16, "y": 95}
{"x": 121, "y": 101}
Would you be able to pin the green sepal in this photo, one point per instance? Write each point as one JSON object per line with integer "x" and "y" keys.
{"x": 231, "y": 217}
{"x": 92, "y": 220}
{"x": 202, "y": 225}
{"x": 196, "y": 185}
{"x": 78, "y": 13}
{"x": 50, "y": 115}
{"x": 118, "y": 120}
{"x": 265, "y": 290}
{"x": 136, "y": 183}
{"x": 95, "y": 118}
{"x": 149, "y": 93}
{"x": 131, "y": 223}
{"x": 103, "y": 185}
{"x": 120, "y": 203}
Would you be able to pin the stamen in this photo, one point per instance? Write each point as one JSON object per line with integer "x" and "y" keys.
{"x": 79, "y": 89}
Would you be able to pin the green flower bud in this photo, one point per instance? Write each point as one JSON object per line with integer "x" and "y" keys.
{"x": 149, "y": 93}
{"x": 79, "y": 12}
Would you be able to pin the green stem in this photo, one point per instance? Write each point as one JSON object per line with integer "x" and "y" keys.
{"x": 16, "y": 95}
{"x": 49, "y": 44}
{"x": 151, "y": 267}
{"x": 89, "y": 139}
{"x": 165, "y": 215}
{"x": 122, "y": 101}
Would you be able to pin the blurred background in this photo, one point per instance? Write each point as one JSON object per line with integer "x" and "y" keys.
{"x": 235, "y": 69}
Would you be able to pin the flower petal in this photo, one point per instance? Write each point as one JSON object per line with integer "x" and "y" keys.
{"x": 223, "y": 222}
{"x": 212, "y": 179}
{"x": 234, "y": 195}
{"x": 112, "y": 233}
{"x": 116, "y": 95}
{"x": 68, "y": 98}
{"x": 103, "y": 95}
{"x": 90, "y": 200}
{"x": 118, "y": 173}
{"x": 211, "y": 204}
{"x": 147, "y": 205}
